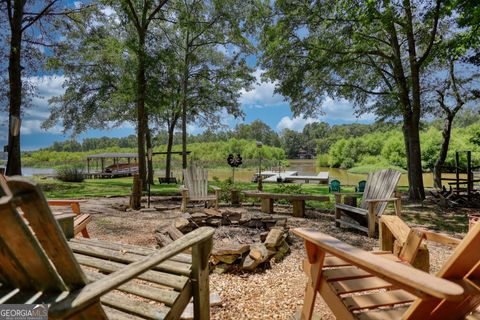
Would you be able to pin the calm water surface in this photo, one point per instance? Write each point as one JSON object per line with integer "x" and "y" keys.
{"x": 308, "y": 166}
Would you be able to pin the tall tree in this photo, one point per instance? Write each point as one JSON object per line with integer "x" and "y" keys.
{"x": 449, "y": 91}
{"x": 372, "y": 53}
{"x": 203, "y": 30}
{"x": 29, "y": 25}
{"x": 140, "y": 14}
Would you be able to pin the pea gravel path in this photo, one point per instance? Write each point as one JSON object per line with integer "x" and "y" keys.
{"x": 275, "y": 293}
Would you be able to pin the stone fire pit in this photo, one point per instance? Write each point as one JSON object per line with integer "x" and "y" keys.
{"x": 243, "y": 241}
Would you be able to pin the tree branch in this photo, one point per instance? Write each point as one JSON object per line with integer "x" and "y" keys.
{"x": 433, "y": 34}
{"x": 134, "y": 15}
{"x": 39, "y": 15}
{"x": 155, "y": 11}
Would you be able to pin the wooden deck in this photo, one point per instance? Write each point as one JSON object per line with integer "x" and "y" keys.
{"x": 108, "y": 175}
{"x": 292, "y": 176}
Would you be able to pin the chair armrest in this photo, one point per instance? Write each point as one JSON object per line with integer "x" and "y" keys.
{"x": 439, "y": 237}
{"x": 81, "y": 298}
{"x": 183, "y": 189}
{"x": 417, "y": 282}
{"x": 63, "y": 202}
{"x": 348, "y": 193}
{"x": 381, "y": 200}
{"x": 215, "y": 188}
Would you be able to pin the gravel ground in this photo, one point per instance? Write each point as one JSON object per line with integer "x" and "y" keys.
{"x": 275, "y": 293}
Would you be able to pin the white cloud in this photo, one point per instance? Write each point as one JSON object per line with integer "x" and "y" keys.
{"x": 262, "y": 95}
{"x": 341, "y": 110}
{"x": 335, "y": 111}
{"x": 295, "y": 124}
{"x": 46, "y": 88}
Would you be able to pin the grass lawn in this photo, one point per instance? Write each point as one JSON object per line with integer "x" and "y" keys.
{"x": 55, "y": 189}
{"x": 433, "y": 217}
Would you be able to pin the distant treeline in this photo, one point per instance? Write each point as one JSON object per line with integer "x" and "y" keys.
{"x": 206, "y": 153}
{"x": 315, "y": 138}
{"x": 345, "y": 146}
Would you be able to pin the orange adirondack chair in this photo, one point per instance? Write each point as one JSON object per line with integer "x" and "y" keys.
{"x": 357, "y": 284}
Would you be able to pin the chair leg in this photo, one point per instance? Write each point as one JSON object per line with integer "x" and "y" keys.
{"x": 398, "y": 203}
{"x": 338, "y": 212}
{"x": 201, "y": 293}
{"x": 313, "y": 268}
{"x": 371, "y": 219}
{"x": 85, "y": 233}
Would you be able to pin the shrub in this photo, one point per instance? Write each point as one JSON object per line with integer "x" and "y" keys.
{"x": 70, "y": 174}
{"x": 288, "y": 189}
{"x": 226, "y": 187}
{"x": 323, "y": 160}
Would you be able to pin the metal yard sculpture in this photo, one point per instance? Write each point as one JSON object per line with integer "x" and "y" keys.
{"x": 234, "y": 161}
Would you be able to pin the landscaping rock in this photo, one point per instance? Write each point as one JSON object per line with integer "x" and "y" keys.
{"x": 182, "y": 224}
{"x": 166, "y": 233}
{"x": 198, "y": 215}
{"x": 249, "y": 264}
{"x": 246, "y": 217}
{"x": 214, "y": 222}
{"x": 221, "y": 268}
{"x": 258, "y": 252}
{"x": 231, "y": 248}
{"x": 212, "y": 212}
{"x": 274, "y": 237}
{"x": 227, "y": 258}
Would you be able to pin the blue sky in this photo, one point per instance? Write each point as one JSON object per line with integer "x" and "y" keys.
{"x": 259, "y": 103}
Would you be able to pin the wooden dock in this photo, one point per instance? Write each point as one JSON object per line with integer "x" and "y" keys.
{"x": 292, "y": 176}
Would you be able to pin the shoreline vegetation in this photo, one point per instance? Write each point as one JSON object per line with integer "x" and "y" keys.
{"x": 357, "y": 148}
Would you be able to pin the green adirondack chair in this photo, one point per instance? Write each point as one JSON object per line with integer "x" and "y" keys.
{"x": 361, "y": 186}
{"x": 334, "y": 186}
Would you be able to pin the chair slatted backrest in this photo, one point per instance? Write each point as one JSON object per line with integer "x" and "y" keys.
{"x": 34, "y": 251}
{"x": 196, "y": 181}
{"x": 361, "y": 186}
{"x": 380, "y": 185}
{"x": 334, "y": 186}
{"x": 463, "y": 267}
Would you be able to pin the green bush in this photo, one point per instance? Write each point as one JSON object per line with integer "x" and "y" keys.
{"x": 288, "y": 189}
{"x": 226, "y": 187}
{"x": 70, "y": 174}
{"x": 323, "y": 160}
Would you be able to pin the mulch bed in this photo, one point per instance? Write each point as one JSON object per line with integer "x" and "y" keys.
{"x": 275, "y": 292}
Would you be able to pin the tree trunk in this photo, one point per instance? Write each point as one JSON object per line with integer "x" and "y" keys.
{"x": 437, "y": 168}
{"x": 148, "y": 136}
{"x": 415, "y": 174}
{"x": 171, "y": 131}
{"x": 14, "y": 164}
{"x": 141, "y": 125}
{"x": 184, "y": 103}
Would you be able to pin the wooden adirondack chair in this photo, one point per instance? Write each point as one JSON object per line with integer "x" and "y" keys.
{"x": 38, "y": 265}
{"x": 80, "y": 221}
{"x": 356, "y": 284}
{"x": 379, "y": 190}
{"x": 334, "y": 186}
{"x": 196, "y": 187}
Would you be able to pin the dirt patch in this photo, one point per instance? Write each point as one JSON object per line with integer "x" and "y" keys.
{"x": 277, "y": 292}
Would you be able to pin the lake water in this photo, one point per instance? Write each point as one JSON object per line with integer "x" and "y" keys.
{"x": 307, "y": 166}
{"x": 34, "y": 171}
